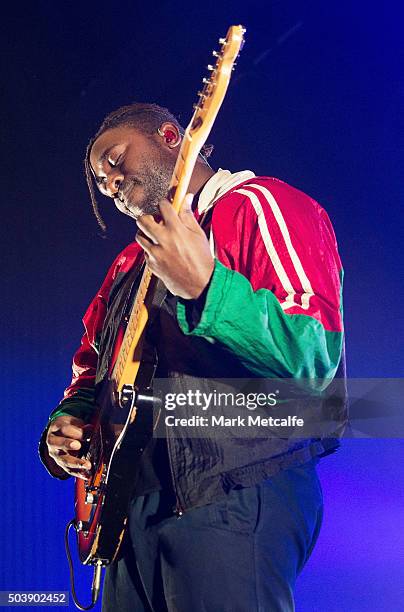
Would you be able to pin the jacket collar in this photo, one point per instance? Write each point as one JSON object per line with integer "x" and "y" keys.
{"x": 218, "y": 184}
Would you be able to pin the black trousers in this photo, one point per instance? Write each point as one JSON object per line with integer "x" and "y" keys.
{"x": 240, "y": 554}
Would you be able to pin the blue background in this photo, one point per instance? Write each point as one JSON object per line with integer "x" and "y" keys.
{"x": 316, "y": 101}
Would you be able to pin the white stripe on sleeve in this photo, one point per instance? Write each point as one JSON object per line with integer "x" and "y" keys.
{"x": 271, "y": 250}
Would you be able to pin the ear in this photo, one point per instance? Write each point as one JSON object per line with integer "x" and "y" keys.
{"x": 170, "y": 134}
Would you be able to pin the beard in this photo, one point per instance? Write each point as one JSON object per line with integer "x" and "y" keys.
{"x": 149, "y": 186}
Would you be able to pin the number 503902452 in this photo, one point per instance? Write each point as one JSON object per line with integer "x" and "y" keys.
{"x": 32, "y": 598}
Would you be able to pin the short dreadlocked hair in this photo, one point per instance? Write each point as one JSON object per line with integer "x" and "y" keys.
{"x": 146, "y": 118}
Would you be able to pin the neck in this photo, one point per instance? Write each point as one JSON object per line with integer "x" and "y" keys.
{"x": 200, "y": 176}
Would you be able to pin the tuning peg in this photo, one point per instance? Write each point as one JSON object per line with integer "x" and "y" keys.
{"x": 210, "y": 67}
{"x": 215, "y": 53}
{"x": 201, "y": 94}
{"x": 222, "y": 41}
{"x": 196, "y": 107}
{"x": 205, "y": 81}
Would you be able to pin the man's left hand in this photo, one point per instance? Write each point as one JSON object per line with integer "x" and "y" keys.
{"x": 177, "y": 250}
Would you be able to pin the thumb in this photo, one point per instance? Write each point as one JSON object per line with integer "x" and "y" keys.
{"x": 186, "y": 213}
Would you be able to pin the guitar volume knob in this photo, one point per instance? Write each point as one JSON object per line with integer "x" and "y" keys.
{"x": 92, "y": 498}
{"x": 83, "y": 526}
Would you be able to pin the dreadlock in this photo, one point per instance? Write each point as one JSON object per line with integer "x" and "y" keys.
{"x": 146, "y": 118}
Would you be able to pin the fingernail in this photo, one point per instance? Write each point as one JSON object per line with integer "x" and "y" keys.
{"x": 75, "y": 444}
{"x": 189, "y": 198}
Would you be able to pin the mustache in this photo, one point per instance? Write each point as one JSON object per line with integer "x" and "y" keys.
{"x": 126, "y": 188}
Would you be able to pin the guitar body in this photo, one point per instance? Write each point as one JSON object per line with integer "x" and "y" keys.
{"x": 120, "y": 436}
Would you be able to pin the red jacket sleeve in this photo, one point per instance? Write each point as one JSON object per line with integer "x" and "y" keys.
{"x": 85, "y": 359}
{"x": 274, "y": 299}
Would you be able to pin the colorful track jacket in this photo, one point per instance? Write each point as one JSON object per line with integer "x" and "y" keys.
{"x": 274, "y": 303}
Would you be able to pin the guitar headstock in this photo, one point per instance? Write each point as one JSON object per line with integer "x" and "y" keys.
{"x": 215, "y": 86}
{"x": 210, "y": 100}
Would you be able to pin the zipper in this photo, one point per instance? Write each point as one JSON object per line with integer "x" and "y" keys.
{"x": 179, "y": 510}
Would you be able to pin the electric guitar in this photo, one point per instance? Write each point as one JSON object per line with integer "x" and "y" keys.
{"x": 123, "y": 414}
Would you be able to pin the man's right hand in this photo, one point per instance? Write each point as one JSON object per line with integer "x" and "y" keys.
{"x": 64, "y": 441}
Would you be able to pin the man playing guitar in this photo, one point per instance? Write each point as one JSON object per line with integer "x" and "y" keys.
{"x": 253, "y": 288}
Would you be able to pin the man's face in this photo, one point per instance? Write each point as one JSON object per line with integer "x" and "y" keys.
{"x": 133, "y": 169}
